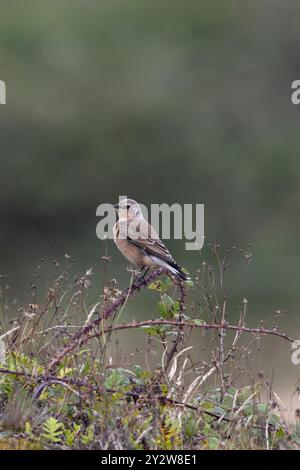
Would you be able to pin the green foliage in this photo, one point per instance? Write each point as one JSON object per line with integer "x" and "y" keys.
{"x": 88, "y": 437}
{"x": 140, "y": 423}
{"x": 96, "y": 400}
{"x": 170, "y": 436}
{"x": 168, "y": 307}
{"x": 117, "y": 378}
{"x": 52, "y": 430}
{"x": 159, "y": 286}
{"x": 71, "y": 434}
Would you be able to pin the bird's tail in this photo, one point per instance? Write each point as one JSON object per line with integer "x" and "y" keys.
{"x": 178, "y": 271}
{"x": 173, "y": 267}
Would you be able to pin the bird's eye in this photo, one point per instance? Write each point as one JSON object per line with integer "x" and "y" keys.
{"x": 128, "y": 206}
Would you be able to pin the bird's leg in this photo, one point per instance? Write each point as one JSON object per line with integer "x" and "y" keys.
{"x": 140, "y": 276}
{"x": 144, "y": 272}
{"x": 135, "y": 280}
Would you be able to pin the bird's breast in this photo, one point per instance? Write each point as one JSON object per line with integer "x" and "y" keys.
{"x": 131, "y": 252}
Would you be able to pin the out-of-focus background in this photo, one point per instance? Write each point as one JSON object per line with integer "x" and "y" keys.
{"x": 163, "y": 101}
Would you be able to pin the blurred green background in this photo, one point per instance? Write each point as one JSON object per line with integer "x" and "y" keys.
{"x": 163, "y": 101}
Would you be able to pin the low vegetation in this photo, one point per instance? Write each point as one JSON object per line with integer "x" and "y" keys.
{"x": 63, "y": 384}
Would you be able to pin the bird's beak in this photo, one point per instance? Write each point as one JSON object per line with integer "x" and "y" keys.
{"x": 116, "y": 207}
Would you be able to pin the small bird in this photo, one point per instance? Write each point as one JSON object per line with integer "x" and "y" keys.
{"x": 139, "y": 242}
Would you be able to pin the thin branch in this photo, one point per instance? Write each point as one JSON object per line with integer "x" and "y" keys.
{"x": 191, "y": 324}
{"x": 80, "y": 336}
{"x": 86, "y": 333}
{"x": 50, "y": 379}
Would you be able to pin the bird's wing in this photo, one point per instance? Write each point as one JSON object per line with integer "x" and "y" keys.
{"x": 142, "y": 235}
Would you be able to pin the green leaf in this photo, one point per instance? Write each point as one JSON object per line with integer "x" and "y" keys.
{"x": 151, "y": 330}
{"x": 191, "y": 427}
{"x": 198, "y": 321}
{"x": 116, "y": 379}
{"x": 248, "y": 410}
{"x": 273, "y": 419}
{"x": 138, "y": 370}
{"x": 52, "y": 430}
{"x": 28, "y": 428}
{"x": 158, "y": 286}
{"x": 262, "y": 408}
{"x": 280, "y": 433}
{"x": 168, "y": 307}
{"x": 157, "y": 330}
{"x": 213, "y": 443}
{"x": 88, "y": 437}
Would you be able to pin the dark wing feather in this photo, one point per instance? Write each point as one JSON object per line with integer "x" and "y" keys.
{"x": 148, "y": 241}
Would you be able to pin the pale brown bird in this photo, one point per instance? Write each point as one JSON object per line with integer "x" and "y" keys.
{"x": 139, "y": 242}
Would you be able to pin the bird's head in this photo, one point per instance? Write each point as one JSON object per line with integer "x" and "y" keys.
{"x": 128, "y": 209}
